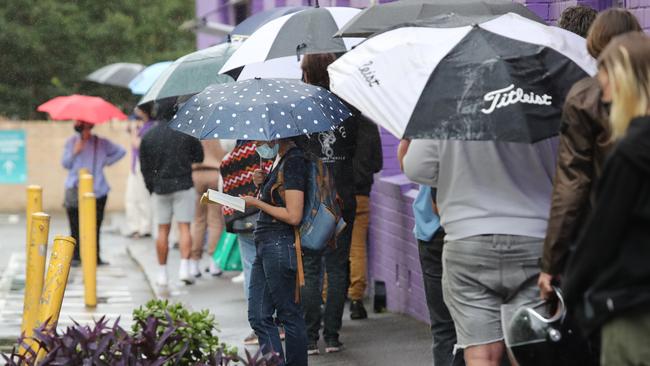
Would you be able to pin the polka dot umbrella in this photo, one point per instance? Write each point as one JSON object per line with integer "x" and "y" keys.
{"x": 260, "y": 109}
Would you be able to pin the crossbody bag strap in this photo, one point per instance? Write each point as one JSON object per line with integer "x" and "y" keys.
{"x": 300, "y": 273}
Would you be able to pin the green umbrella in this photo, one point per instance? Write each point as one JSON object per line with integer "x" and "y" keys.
{"x": 191, "y": 73}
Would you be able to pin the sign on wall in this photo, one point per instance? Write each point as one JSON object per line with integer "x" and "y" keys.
{"x": 13, "y": 161}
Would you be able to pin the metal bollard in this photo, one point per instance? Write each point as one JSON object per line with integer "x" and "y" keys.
{"x": 56, "y": 281}
{"x": 34, "y": 204}
{"x": 85, "y": 184}
{"x": 36, "y": 253}
{"x": 88, "y": 247}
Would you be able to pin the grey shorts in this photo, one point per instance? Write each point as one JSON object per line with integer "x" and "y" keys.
{"x": 179, "y": 204}
{"x": 482, "y": 273}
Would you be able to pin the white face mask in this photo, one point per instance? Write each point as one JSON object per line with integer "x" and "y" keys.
{"x": 267, "y": 152}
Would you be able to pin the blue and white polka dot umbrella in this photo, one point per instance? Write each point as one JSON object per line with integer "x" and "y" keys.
{"x": 260, "y": 109}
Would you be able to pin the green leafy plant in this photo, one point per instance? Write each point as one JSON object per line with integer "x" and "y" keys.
{"x": 197, "y": 329}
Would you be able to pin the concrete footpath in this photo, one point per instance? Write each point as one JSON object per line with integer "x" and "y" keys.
{"x": 382, "y": 340}
{"x": 121, "y": 286}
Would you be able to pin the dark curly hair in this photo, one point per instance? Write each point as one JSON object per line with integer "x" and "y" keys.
{"x": 577, "y": 19}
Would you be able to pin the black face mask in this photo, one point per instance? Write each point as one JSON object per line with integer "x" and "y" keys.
{"x": 78, "y": 128}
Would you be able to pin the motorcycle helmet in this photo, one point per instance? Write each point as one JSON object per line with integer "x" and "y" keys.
{"x": 537, "y": 340}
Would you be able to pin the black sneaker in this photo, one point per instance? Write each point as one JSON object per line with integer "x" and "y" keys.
{"x": 357, "y": 311}
{"x": 312, "y": 349}
{"x": 333, "y": 346}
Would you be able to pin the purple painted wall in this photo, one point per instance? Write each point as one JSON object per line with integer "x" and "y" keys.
{"x": 392, "y": 249}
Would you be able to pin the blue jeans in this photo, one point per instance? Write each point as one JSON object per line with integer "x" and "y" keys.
{"x": 337, "y": 267}
{"x": 247, "y": 252}
{"x": 272, "y": 290}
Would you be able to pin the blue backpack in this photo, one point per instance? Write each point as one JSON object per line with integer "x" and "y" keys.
{"x": 321, "y": 219}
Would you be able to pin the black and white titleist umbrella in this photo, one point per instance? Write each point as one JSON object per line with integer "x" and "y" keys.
{"x": 304, "y": 32}
{"x": 505, "y": 79}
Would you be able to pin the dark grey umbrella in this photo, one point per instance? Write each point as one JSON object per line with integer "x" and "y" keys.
{"x": 118, "y": 74}
{"x": 381, "y": 17}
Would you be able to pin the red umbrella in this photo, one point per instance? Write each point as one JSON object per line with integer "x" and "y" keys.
{"x": 85, "y": 108}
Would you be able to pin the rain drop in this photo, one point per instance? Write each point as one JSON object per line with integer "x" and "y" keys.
{"x": 187, "y": 112}
{"x": 304, "y": 130}
{"x": 179, "y": 125}
{"x": 201, "y": 117}
{"x": 176, "y": 115}
{"x": 190, "y": 122}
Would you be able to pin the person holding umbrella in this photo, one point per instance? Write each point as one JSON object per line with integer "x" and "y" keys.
{"x": 271, "y": 112}
{"x": 88, "y": 151}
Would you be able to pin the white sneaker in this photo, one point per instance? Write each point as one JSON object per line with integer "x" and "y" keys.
{"x": 238, "y": 279}
{"x": 214, "y": 270}
{"x": 162, "y": 280}
{"x": 184, "y": 272}
{"x": 194, "y": 268}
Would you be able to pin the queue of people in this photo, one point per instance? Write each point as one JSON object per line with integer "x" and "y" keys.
{"x": 573, "y": 215}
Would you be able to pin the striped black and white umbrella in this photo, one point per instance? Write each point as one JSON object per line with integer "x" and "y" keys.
{"x": 504, "y": 79}
{"x": 304, "y": 32}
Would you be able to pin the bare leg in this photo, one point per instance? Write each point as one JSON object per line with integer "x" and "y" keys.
{"x": 162, "y": 243}
{"x": 185, "y": 243}
{"x": 485, "y": 355}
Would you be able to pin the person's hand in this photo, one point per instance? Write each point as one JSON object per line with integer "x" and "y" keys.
{"x": 545, "y": 285}
{"x": 258, "y": 177}
{"x": 251, "y": 201}
{"x": 402, "y": 149}
{"x": 78, "y": 146}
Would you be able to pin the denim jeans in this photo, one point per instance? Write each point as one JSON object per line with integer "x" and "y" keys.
{"x": 442, "y": 326}
{"x": 336, "y": 267}
{"x": 272, "y": 290}
{"x": 247, "y": 252}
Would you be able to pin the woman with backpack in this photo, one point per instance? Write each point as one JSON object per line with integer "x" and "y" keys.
{"x": 273, "y": 282}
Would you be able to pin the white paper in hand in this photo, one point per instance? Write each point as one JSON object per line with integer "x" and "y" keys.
{"x": 227, "y": 200}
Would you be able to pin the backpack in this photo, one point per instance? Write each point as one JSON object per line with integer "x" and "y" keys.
{"x": 321, "y": 219}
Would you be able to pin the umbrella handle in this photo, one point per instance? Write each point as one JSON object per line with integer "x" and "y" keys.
{"x": 302, "y": 45}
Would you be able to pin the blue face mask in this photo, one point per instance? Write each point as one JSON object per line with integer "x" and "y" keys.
{"x": 267, "y": 152}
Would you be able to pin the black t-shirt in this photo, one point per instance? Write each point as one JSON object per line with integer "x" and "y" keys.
{"x": 294, "y": 169}
{"x": 337, "y": 147}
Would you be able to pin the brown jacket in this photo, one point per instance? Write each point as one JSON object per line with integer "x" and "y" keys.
{"x": 584, "y": 144}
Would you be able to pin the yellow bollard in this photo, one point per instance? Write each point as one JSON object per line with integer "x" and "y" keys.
{"x": 56, "y": 281}
{"x": 85, "y": 184}
{"x": 88, "y": 247}
{"x": 36, "y": 252}
{"x": 34, "y": 204}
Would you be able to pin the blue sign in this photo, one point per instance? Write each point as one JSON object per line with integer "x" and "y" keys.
{"x": 13, "y": 162}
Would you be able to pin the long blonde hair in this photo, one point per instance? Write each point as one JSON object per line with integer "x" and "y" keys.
{"x": 627, "y": 62}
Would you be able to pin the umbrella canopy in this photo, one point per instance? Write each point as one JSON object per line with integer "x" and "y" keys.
{"x": 85, "y": 108}
{"x": 260, "y": 109}
{"x": 191, "y": 73}
{"x": 118, "y": 74}
{"x": 303, "y": 32}
{"x": 145, "y": 79}
{"x": 380, "y": 17}
{"x": 505, "y": 79}
{"x": 255, "y": 21}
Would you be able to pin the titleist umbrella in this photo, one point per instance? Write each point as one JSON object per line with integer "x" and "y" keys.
{"x": 504, "y": 79}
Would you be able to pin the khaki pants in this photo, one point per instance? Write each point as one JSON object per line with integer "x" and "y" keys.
{"x": 358, "y": 250}
{"x": 206, "y": 217}
{"x": 626, "y": 340}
